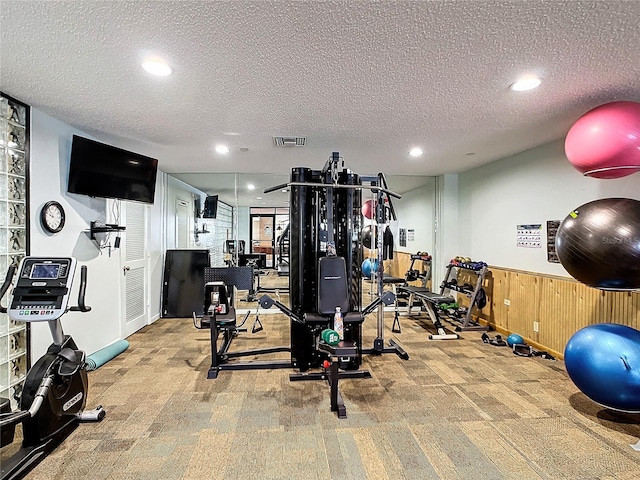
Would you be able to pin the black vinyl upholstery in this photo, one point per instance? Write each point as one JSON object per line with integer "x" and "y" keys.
{"x": 332, "y": 285}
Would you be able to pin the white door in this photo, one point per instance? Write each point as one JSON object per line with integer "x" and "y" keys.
{"x": 134, "y": 268}
{"x": 182, "y": 224}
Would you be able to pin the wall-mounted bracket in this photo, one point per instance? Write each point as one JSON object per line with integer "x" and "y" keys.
{"x": 99, "y": 233}
{"x": 98, "y": 227}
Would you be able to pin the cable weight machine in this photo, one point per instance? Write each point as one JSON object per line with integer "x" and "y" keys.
{"x": 324, "y": 274}
{"x": 326, "y": 219}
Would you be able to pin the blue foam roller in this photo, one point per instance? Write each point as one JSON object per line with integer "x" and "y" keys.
{"x": 102, "y": 356}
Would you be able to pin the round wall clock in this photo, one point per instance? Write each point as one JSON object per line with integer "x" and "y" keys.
{"x": 52, "y": 217}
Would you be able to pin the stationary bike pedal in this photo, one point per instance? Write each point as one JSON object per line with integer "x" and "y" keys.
{"x": 95, "y": 415}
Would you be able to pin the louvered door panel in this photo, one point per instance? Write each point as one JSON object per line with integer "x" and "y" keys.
{"x": 134, "y": 268}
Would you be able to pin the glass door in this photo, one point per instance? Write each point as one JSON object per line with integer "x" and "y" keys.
{"x": 262, "y": 236}
{"x": 282, "y": 243}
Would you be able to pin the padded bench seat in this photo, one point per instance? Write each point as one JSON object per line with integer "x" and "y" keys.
{"x": 388, "y": 279}
{"x": 423, "y": 292}
{"x": 342, "y": 349}
{"x": 221, "y": 321}
{"x": 349, "y": 317}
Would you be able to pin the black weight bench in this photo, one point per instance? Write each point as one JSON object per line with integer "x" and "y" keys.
{"x": 430, "y": 301}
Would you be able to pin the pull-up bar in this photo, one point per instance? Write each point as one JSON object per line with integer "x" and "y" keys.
{"x": 325, "y": 185}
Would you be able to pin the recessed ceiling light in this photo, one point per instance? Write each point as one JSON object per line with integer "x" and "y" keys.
{"x": 222, "y": 149}
{"x": 251, "y": 186}
{"x": 526, "y": 83}
{"x": 231, "y": 134}
{"x": 416, "y": 152}
{"x": 258, "y": 198}
{"x": 284, "y": 190}
{"x": 156, "y": 66}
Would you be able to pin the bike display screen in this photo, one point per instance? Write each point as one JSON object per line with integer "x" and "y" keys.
{"x": 45, "y": 271}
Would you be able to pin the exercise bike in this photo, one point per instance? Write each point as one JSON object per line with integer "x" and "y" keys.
{"x": 55, "y": 390}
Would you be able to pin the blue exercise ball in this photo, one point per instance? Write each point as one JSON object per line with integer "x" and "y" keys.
{"x": 369, "y": 267}
{"x": 515, "y": 339}
{"x": 603, "y": 360}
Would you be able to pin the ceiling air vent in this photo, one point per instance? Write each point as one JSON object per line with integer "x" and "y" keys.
{"x": 290, "y": 141}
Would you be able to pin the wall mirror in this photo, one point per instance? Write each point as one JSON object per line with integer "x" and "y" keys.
{"x": 260, "y": 221}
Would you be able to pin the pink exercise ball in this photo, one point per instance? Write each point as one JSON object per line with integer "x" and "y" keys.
{"x": 605, "y": 142}
{"x": 369, "y": 209}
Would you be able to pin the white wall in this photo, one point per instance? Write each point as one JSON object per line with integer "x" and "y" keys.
{"x": 156, "y": 246}
{"x": 50, "y": 149}
{"x": 48, "y": 171}
{"x": 243, "y": 226}
{"x": 177, "y": 189}
{"x": 415, "y": 210}
{"x": 528, "y": 188}
{"x": 447, "y": 225}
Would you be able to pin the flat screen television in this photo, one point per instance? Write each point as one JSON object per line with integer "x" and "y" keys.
{"x": 100, "y": 170}
{"x": 210, "y": 207}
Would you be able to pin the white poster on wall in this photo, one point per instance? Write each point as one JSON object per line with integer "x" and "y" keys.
{"x": 529, "y": 236}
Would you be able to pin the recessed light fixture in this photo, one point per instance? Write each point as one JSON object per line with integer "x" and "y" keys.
{"x": 251, "y": 186}
{"x": 284, "y": 190}
{"x": 416, "y": 152}
{"x": 258, "y": 198}
{"x": 526, "y": 83}
{"x": 156, "y": 66}
{"x": 231, "y": 134}
{"x": 222, "y": 149}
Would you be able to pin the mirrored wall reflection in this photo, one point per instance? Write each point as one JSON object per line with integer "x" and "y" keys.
{"x": 257, "y": 233}
{"x": 244, "y": 192}
{"x": 251, "y": 186}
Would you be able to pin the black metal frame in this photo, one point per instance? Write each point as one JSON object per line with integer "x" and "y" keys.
{"x": 219, "y": 358}
{"x": 325, "y": 219}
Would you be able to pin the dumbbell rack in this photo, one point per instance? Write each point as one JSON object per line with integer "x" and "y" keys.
{"x": 466, "y": 324}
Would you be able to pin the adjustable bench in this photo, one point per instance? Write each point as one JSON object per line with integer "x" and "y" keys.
{"x": 430, "y": 300}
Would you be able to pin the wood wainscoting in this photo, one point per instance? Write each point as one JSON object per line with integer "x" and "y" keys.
{"x": 561, "y": 306}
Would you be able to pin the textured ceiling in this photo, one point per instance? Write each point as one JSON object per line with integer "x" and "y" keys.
{"x": 369, "y": 79}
